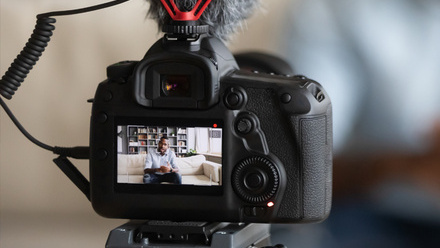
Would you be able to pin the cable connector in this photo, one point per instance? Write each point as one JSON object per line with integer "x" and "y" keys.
{"x": 78, "y": 152}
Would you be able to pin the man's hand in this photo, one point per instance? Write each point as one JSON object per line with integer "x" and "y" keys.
{"x": 165, "y": 169}
{"x": 171, "y": 168}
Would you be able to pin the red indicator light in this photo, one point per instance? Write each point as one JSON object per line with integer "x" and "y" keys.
{"x": 270, "y": 204}
{"x": 215, "y": 125}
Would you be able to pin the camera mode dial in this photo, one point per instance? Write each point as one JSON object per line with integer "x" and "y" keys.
{"x": 255, "y": 179}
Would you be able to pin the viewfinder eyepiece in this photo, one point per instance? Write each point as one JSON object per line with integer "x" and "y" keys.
{"x": 176, "y": 85}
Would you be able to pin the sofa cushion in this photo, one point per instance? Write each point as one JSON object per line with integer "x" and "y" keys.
{"x": 191, "y": 165}
{"x": 197, "y": 180}
{"x": 212, "y": 171}
{"x": 194, "y": 170}
{"x": 131, "y": 164}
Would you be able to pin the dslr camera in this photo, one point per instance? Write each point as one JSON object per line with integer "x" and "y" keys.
{"x": 261, "y": 142}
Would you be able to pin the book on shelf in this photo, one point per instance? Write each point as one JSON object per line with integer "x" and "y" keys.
{"x": 142, "y": 130}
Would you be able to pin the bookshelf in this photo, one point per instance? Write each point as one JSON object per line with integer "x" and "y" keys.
{"x": 142, "y": 139}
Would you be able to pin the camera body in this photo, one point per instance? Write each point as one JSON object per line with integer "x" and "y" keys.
{"x": 275, "y": 130}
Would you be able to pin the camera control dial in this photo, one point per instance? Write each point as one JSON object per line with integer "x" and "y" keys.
{"x": 255, "y": 179}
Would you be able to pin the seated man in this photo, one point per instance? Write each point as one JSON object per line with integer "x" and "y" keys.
{"x": 160, "y": 165}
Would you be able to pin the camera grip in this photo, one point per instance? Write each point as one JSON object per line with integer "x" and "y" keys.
{"x": 316, "y": 164}
{"x": 303, "y": 143}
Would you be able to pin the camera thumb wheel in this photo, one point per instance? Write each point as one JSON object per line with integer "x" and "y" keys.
{"x": 255, "y": 179}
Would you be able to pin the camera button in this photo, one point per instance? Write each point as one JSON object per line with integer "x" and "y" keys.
{"x": 108, "y": 96}
{"x": 259, "y": 211}
{"x": 248, "y": 211}
{"x": 101, "y": 118}
{"x": 101, "y": 154}
{"x": 254, "y": 181}
{"x": 235, "y": 98}
{"x": 286, "y": 98}
{"x": 244, "y": 126}
{"x": 120, "y": 71}
{"x": 254, "y": 211}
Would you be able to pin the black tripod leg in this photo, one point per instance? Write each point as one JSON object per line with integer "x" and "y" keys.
{"x": 74, "y": 175}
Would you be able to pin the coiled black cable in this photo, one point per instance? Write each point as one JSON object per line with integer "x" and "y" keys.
{"x": 26, "y": 60}
{"x": 28, "y": 57}
{"x": 35, "y": 46}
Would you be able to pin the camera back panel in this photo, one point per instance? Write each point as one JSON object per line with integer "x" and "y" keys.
{"x": 276, "y": 144}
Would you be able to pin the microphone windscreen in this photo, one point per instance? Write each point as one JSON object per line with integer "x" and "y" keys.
{"x": 223, "y": 17}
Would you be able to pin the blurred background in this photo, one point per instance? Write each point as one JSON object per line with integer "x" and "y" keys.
{"x": 378, "y": 60}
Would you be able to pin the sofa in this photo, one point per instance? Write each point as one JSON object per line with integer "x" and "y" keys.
{"x": 195, "y": 170}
